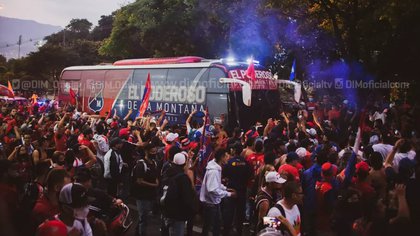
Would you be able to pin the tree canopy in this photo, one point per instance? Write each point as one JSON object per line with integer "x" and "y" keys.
{"x": 357, "y": 38}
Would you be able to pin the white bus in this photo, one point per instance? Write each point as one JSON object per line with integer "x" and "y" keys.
{"x": 179, "y": 86}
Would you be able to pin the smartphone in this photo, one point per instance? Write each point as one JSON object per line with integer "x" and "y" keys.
{"x": 271, "y": 222}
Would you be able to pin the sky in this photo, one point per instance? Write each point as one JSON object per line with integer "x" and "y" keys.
{"x": 59, "y": 12}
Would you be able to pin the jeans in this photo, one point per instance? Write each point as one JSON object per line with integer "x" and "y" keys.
{"x": 250, "y": 206}
{"x": 175, "y": 227}
{"x": 143, "y": 207}
{"x": 234, "y": 211}
{"x": 211, "y": 215}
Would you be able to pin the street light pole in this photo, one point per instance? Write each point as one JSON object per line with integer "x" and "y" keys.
{"x": 19, "y": 43}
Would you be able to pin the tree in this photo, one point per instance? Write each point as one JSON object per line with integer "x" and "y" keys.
{"x": 81, "y": 27}
{"x": 104, "y": 28}
{"x": 3, "y": 60}
{"x": 159, "y": 28}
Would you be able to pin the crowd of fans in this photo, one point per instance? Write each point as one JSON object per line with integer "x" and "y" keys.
{"x": 305, "y": 172}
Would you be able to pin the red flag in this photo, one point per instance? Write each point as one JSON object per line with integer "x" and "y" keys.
{"x": 250, "y": 72}
{"x": 146, "y": 96}
{"x": 72, "y": 96}
{"x": 360, "y": 131}
{"x": 9, "y": 87}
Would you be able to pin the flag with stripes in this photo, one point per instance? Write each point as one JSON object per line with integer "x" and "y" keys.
{"x": 72, "y": 96}
{"x": 292, "y": 72}
{"x": 146, "y": 96}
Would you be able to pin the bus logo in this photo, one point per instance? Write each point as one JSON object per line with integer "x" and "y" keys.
{"x": 96, "y": 98}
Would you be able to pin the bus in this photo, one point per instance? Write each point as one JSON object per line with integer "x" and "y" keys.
{"x": 179, "y": 86}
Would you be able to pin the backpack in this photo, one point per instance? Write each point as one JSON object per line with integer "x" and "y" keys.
{"x": 139, "y": 164}
{"x": 168, "y": 194}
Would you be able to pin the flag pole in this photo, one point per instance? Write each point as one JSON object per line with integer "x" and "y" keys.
{"x": 204, "y": 132}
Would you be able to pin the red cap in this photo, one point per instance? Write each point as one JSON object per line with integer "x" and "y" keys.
{"x": 124, "y": 133}
{"x": 114, "y": 124}
{"x": 251, "y": 134}
{"x": 310, "y": 124}
{"x": 52, "y": 228}
{"x": 362, "y": 166}
{"x": 326, "y": 166}
{"x": 329, "y": 169}
{"x": 289, "y": 169}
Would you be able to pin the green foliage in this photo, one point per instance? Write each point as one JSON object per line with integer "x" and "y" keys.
{"x": 104, "y": 28}
{"x": 382, "y": 35}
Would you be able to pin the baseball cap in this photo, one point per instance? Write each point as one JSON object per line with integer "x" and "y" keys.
{"x": 217, "y": 121}
{"x": 292, "y": 156}
{"x": 301, "y": 152}
{"x": 329, "y": 169}
{"x": 374, "y": 139}
{"x": 52, "y": 228}
{"x": 362, "y": 166}
{"x": 114, "y": 124}
{"x": 251, "y": 134}
{"x": 124, "y": 133}
{"x": 171, "y": 137}
{"x": 186, "y": 144}
{"x": 179, "y": 159}
{"x": 311, "y": 132}
{"x": 74, "y": 195}
{"x": 274, "y": 177}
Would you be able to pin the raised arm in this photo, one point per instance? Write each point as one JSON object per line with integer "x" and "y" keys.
{"x": 128, "y": 114}
{"x": 162, "y": 115}
{"x": 390, "y": 158}
{"x": 403, "y": 210}
{"x": 18, "y": 136}
{"x": 91, "y": 156}
{"x": 268, "y": 127}
{"x": 12, "y": 155}
{"x": 317, "y": 121}
{"x": 41, "y": 119}
{"x": 187, "y": 123}
{"x": 162, "y": 127}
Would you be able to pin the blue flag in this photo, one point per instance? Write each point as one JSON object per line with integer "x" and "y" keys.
{"x": 292, "y": 72}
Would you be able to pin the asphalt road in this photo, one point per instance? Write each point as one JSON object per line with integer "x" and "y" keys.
{"x": 153, "y": 228}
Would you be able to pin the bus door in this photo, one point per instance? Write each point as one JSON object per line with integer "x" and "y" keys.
{"x": 217, "y": 95}
{"x": 115, "y": 81}
{"x": 69, "y": 79}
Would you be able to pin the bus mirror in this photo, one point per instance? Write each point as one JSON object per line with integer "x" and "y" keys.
{"x": 246, "y": 89}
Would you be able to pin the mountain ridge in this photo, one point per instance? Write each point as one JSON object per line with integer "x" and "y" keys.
{"x": 31, "y": 31}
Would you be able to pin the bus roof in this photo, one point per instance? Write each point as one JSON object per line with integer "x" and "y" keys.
{"x": 156, "y": 63}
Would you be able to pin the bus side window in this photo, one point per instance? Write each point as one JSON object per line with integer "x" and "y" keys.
{"x": 217, "y": 104}
{"x": 214, "y": 86}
